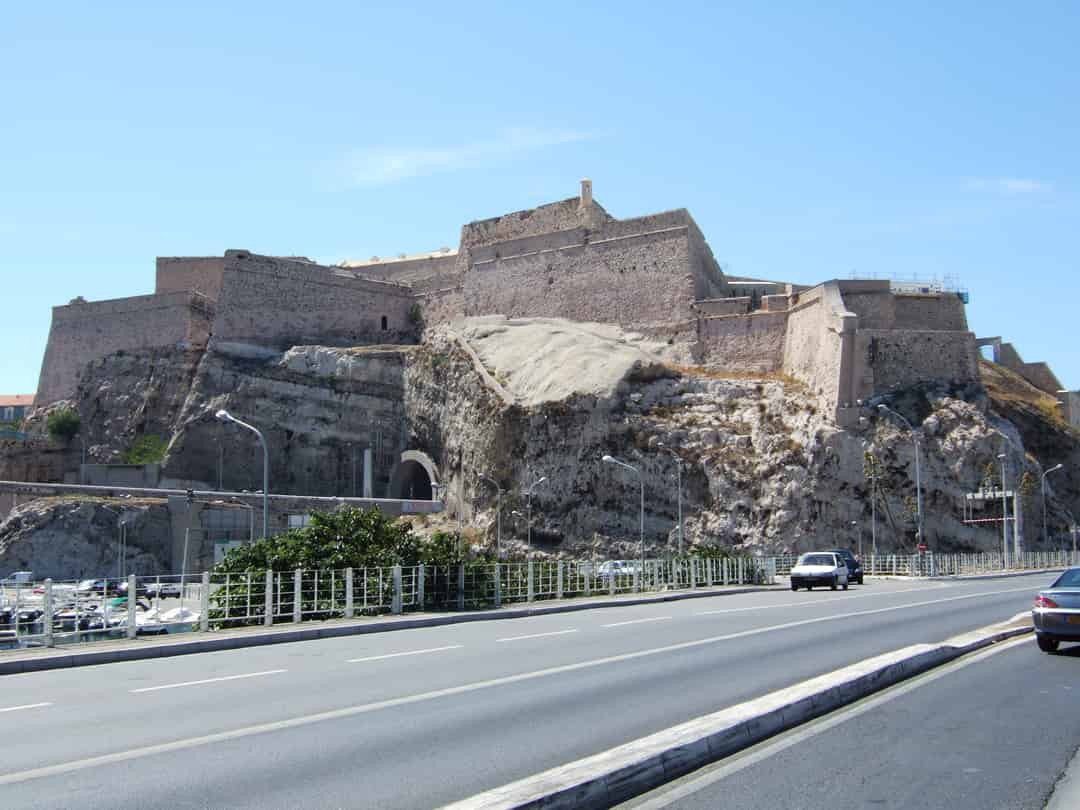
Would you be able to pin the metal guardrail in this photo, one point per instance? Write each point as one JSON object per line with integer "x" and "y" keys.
{"x": 930, "y": 564}
{"x": 53, "y": 612}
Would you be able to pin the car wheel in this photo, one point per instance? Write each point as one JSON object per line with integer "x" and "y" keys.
{"x": 833, "y": 585}
{"x": 860, "y": 580}
{"x": 1048, "y": 645}
{"x": 845, "y": 586}
{"x": 794, "y": 586}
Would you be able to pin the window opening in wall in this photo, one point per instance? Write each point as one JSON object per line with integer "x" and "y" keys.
{"x": 384, "y": 323}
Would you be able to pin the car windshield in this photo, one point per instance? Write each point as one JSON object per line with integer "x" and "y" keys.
{"x": 1070, "y": 579}
{"x": 818, "y": 559}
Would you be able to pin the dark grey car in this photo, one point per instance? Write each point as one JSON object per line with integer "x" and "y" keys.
{"x": 1056, "y": 613}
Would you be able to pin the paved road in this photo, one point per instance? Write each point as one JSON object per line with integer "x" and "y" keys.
{"x": 994, "y": 730}
{"x": 417, "y": 718}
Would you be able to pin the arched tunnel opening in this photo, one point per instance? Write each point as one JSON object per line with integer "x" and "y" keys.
{"x": 411, "y": 481}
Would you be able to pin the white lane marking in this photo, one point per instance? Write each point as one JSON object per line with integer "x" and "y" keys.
{"x": 392, "y": 703}
{"x": 680, "y": 790}
{"x": 536, "y": 635}
{"x": 818, "y": 602}
{"x": 207, "y": 680}
{"x": 26, "y": 706}
{"x": 400, "y": 654}
{"x": 637, "y": 621}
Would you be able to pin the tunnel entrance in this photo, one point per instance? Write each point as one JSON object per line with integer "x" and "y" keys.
{"x": 413, "y": 477}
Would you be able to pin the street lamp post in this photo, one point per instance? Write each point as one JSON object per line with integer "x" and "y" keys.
{"x": 678, "y": 485}
{"x": 121, "y": 551}
{"x": 498, "y": 513}
{"x": 858, "y": 534}
{"x": 528, "y": 501}
{"x": 918, "y": 473}
{"x": 225, "y": 416}
{"x": 641, "y": 513}
{"x": 1042, "y": 487}
{"x": 1004, "y": 514}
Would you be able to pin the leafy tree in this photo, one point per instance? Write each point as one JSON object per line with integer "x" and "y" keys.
{"x": 349, "y": 538}
{"x": 63, "y": 424}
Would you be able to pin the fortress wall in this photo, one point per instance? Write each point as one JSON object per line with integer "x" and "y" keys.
{"x": 708, "y": 277}
{"x": 557, "y": 216}
{"x": 442, "y": 305}
{"x": 87, "y": 331}
{"x": 812, "y": 349}
{"x": 872, "y": 301}
{"x": 1069, "y": 406}
{"x": 900, "y": 357}
{"x": 944, "y": 312}
{"x": 633, "y": 282}
{"x": 282, "y": 303}
{"x": 710, "y": 307}
{"x": 744, "y": 342}
{"x": 573, "y": 237}
{"x": 408, "y": 271}
{"x": 1040, "y": 375}
{"x": 199, "y": 273}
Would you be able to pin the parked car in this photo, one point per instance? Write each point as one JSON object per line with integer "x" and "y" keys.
{"x": 819, "y": 568}
{"x": 140, "y": 588}
{"x": 618, "y": 568}
{"x": 18, "y": 579}
{"x": 102, "y": 586}
{"x": 854, "y": 567}
{"x": 1056, "y": 612}
{"x": 162, "y": 589}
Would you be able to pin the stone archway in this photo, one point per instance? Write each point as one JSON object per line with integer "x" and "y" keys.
{"x": 414, "y": 477}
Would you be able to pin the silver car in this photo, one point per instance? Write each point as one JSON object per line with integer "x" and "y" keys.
{"x": 1056, "y": 613}
{"x": 819, "y": 568}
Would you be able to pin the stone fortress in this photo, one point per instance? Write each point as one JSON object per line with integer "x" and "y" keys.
{"x": 846, "y": 340}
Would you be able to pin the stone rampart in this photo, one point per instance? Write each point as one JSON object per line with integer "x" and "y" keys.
{"x": 901, "y": 357}
{"x": 200, "y": 274}
{"x": 943, "y": 312}
{"x": 281, "y": 303}
{"x": 712, "y": 307}
{"x": 85, "y": 331}
{"x": 752, "y": 343}
{"x": 811, "y": 347}
{"x": 408, "y": 271}
{"x": 1069, "y": 406}
{"x": 557, "y": 216}
{"x": 633, "y": 281}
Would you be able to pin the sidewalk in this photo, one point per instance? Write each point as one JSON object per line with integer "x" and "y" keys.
{"x": 35, "y": 659}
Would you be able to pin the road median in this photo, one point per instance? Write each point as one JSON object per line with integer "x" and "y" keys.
{"x": 628, "y": 770}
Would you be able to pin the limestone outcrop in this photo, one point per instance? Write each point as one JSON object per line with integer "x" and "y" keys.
{"x": 67, "y": 539}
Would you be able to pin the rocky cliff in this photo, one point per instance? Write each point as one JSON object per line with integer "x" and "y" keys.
{"x": 761, "y": 464}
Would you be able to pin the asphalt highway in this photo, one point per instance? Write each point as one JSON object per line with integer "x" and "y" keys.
{"x": 992, "y": 731}
{"x": 419, "y": 718}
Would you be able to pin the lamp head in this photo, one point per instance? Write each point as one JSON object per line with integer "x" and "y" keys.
{"x": 224, "y": 415}
{"x": 608, "y": 459}
{"x": 1055, "y": 467}
{"x": 1001, "y": 455}
{"x": 544, "y": 478}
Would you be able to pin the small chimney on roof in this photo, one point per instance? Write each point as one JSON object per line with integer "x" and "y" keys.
{"x": 586, "y": 193}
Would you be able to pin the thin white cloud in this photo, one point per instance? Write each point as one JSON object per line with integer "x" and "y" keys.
{"x": 381, "y": 165}
{"x": 1010, "y": 185}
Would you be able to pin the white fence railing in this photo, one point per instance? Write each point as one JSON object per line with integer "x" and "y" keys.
{"x": 54, "y": 612}
{"x": 930, "y": 564}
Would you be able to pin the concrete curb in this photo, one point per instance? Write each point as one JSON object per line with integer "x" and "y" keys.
{"x": 619, "y": 774}
{"x": 150, "y": 648}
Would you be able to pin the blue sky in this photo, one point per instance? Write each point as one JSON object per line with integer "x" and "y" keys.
{"x": 809, "y": 141}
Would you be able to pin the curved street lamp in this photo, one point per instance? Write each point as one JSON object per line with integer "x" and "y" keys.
{"x": 528, "y": 499}
{"x": 1042, "y": 487}
{"x": 641, "y": 513}
{"x": 918, "y": 473}
{"x": 225, "y": 416}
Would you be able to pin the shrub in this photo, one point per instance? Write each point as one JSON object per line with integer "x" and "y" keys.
{"x": 63, "y": 424}
{"x": 147, "y": 449}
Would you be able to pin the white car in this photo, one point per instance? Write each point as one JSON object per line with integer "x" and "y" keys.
{"x": 819, "y": 568}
